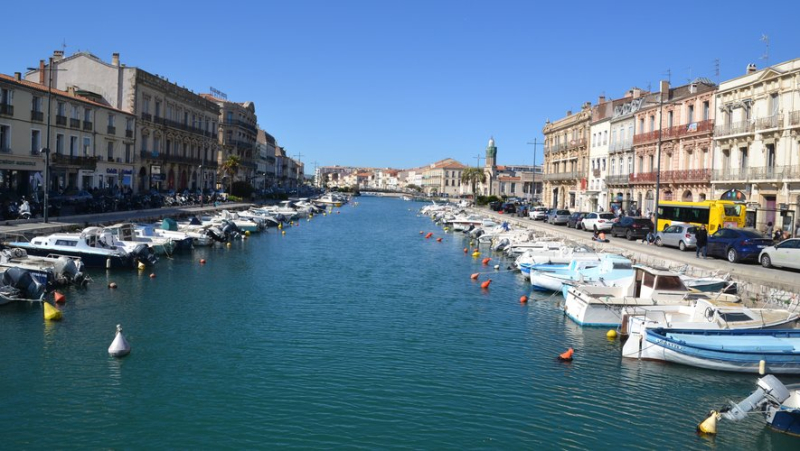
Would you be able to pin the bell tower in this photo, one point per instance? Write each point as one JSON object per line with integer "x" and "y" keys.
{"x": 491, "y": 155}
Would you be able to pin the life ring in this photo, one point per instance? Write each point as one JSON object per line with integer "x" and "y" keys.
{"x": 709, "y": 314}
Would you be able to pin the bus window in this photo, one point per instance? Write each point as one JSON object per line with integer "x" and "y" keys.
{"x": 733, "y": 210}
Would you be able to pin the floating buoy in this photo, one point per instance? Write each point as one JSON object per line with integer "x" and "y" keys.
{"x": 202, "y": 261}
{"x": 430, "y": 234}
{"x": 246, "y": 233}
{"x": 438, "y": 240}
{"x": 475, "y": 276}
{"x": 486, "y": 284}
{"x": 141, "y": 266}
{"x": 119, "y": 347}
{"x": 566, "y": 356}
{"x": 446, "y": 229}
{"x": 421, "y": 232}
{"x": 112, "y": 285}
{"x": 476, "y": 250}
{"x": 497, "y": 267}
{"x": 60, "y": 298}
{"x": 476, "y": 254}
{"x": 51, "y": 313}
{"x": 523, "y": 299}
{"x": 762, "y": 367}
{"x": 709, "y": 425}
{"x": 152, "y": 275}
{"x": 229, "y": 244}
{"x": 486, "y": 261}
{"x": 466, "y": 250}
{"x": 280, "y": 225}
{"x": 611, "y": 334}
{"x": 283, "y": 232}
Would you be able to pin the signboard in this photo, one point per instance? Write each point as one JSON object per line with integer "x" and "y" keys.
{"x": 218, "y": 94}
{"x": 734, "y": 195}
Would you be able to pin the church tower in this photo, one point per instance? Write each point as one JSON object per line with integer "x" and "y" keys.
{"x": 491, "y": 155}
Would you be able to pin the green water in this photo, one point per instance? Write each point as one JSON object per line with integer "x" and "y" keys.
{"x": 351, "y": 331}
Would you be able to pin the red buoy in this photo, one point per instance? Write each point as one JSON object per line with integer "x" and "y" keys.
{"x": 60, "y": 298}
{"x": 486, "y": 284}
{"x": 566, "y": 356}
{"x": 439, "y": 240}
{"x": 476, "y": 250}
{"x": 523, "y": 299}
{"x": 152, "y": 275}
{"x": 202, "y": 261}
{"x": 486, "y": 261}
{"x": 466, "y": 250}
{"x": 430, "y": 234}
{"x": 474, "y": 276}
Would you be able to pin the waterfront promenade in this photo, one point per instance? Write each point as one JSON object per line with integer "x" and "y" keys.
{"x": 753, "y": 279}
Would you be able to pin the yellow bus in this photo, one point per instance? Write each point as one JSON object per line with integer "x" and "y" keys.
{"x": 715, "y": 214}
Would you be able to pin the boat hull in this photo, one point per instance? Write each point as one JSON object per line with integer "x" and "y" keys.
{"x": 90, "y": 260}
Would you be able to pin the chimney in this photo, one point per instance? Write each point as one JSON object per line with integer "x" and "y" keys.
{"x": 601, "y": 99}
{"x": 41, "y": 72}
{"x": 58, "y": 55}
{"x": 637, "y": 93}
{"x": 18, "y": 76}
{"x": 115, "y": 59}
{"x": 663, "y": 88}
{"x": 569, "y": 112}
{"x": 751, "y": 68}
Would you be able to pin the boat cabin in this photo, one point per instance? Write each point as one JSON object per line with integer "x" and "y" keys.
{"x": 649, "y": 281}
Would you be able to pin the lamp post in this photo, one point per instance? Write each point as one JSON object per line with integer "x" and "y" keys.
{"x": 533, "y": 172}
{"x": 658, "y": 157}
{"x": 46, "y": 150}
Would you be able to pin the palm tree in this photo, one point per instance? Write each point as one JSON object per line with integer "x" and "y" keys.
{"x": 231, "y": 167}
{"x": 473, "y": 176}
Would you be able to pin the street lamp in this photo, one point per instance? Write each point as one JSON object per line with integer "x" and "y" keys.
{"x": 658, "y": 156}
{"x": 533, "y": 172}
{"x": 46, "y": 149}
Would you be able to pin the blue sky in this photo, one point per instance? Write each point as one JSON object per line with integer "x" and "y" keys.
{"x": 405, "y": 83}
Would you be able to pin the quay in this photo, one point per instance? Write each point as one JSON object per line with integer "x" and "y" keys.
{"x": 755, "y": 283}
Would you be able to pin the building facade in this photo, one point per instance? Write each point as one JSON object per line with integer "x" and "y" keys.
{"x": 238, "y": 132}
{"x": 566, "y": 158}
{"x": 596, "y": 193}
{"x": 620, "y": 149}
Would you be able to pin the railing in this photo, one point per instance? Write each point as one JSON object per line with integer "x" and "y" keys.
{"x": 61, "y": 120}
{"x": 129, "y": 133}
{"x": 6, "y": 109}
{"x": 111, "y": 130}
{"x": 643, "y": 177}
{"x": 74, "y": 123}
{"x": 148, "y": 154}
{"x": 147, "y": 117}
{"x": 623, "y": 179}
{"x": 37, "y": 116}
{"x": 87, "y": 126}
{"x": 555, "y": 147}
{"x": 777, "y": 173}
{"x": 687, "y": 175}
{"x": 576, "y": 143}
{"x": 620, "y": 146}
{"x": 696, "y": 128}
{"x": 560, "y": 176}
{"x": 794, "y": 118}
{"x": 764, "y": 123}
{"x": 83, "y": 162}
{"x": 735, "y": 128}
{"x": 243, "y": 124}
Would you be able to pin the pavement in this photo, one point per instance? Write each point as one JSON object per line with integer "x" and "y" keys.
{"x": 758, "y": 282}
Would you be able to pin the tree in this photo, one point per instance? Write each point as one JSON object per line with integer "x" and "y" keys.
{"x": 473, "y": 176}
{"x": 231, "y": 167}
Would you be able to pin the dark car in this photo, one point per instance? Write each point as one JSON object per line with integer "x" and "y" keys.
{"x": 737, "y": 244}
{"x": 495, "y": 205}
{"x": 509, "y": 207}
{"x": 576, "y": 218}
{"x": 632, "y": 227}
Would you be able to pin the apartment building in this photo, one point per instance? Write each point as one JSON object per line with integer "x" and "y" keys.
{"x": 566, "y": 158}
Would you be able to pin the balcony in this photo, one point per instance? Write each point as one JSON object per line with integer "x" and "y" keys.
{"x": 6, "y": 109}
{"x": 242, "y": 124}
{"x": 623, "y": 179}
{"x": 558, "y": 147}
{"x": 687, "y": 176}
{"x": 147, "y": 117}
{"x": 643, "y": 177}
{"x": 87, "y": 126}
{"x": 750, "y": 174}
{"x": 61, "y": 120}
{"x": 620, "y": 146}
{"x": 111, "y": 130}
{"x": 129, "y": 133}
{"x": 37, "y": 116}
{"x": 562, "y": 176}
{"x": 574, "y": 143}
{"x": 697, "y": 128}
{"x": 769, "y": 122}
{"x": 69, "y": 160}
{"x": 240, "y": 143}
{"x": 74, "y": 123}
{"x": 148, "y": 155}
{"x": 736, "y": 128}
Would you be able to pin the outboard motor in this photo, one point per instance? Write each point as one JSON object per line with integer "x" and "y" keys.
{"x": 231, "y": 231}
{"x": 144, "y": 254}
{"x": 20, "y": 282}
{"x": 215, "y": 234}
{"x": 770, "y": 390}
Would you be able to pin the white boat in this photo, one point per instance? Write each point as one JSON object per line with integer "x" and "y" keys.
{"x": 125, "y": 235}
{"x": 589, "y": 268}
{"x": 49, "y": 271}
{"x": 330, "y": 199}
{"x": 590, "y": 305}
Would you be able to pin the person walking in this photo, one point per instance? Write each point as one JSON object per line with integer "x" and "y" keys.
{"x": 701, "y": 235}
{"x": 770, "y": 230}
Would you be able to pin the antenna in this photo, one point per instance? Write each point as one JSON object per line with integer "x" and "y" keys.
{"x": 479, "y": 158}
{"x": 64, "y": 46}
{"x": 765, "y": 56}
{"x": 668, "y": 73}
{"x": 716, "y": 69}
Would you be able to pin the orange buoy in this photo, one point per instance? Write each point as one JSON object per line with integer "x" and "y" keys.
{"x": 475, "y": 276}
{"x": 60, "y": 298}
{"x": 523, "y": 299}
{"x": 438, "y": 240}
{"x": 202, "y": 261}
{"x": 486, "y": 284}
{"x": 152, "y": 275}
{"x": 466, "y": 250}
{"x": 112, "y": 285}
{"x": 566, "y": 356}
{"x": 476, "y": 250}
{"x": 430, "y": 234}
{"x": 486, "y": 261}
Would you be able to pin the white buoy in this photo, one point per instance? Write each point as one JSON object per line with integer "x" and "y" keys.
{"x": 119, "y": 347}
{"x": 496, "y": 266}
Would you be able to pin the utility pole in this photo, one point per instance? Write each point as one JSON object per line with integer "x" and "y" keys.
{"x": 533, "y": 172}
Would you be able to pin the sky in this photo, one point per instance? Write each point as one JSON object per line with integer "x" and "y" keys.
{"x": 403, "y": 84}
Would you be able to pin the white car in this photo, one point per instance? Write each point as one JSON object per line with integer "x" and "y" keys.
{"x": 538, "y": 213}
{"x": 599, "y": 220}
{"x": 785, "y": 254}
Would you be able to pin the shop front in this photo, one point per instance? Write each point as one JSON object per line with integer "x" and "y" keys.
{"x": 18, "y": 176}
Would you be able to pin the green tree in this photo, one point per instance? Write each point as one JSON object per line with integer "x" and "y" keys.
{"x": 473, "y": 176}
{"x": 230, "y": 167}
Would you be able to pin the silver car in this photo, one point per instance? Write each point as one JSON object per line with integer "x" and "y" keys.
{"x": 538, "y": 213}
{"x": 678, "y": 235}
{"x": 558, "y": 216}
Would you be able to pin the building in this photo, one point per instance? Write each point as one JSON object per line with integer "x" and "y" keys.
{"x": 91, "y": 143}
{"x": 443, "y": 178}
{"x": 596, "y": 192}
{"x": 566, "y": 158}
{"x": 238, "y": 130}
{"x": 265, "y": 161}
{"x": 176, "y": 129}
{"x": 756, "y": 144}
{"x": 520, "y": 181}
{"x": 622, "y": 128}
{"x": 678, "y": 127}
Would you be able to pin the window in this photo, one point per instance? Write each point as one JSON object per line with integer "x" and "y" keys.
{"x": 652, "y": 163}
{"x": 773, "y": 101}
{"x": 706, "y": 111}
{"x": 129, "y": 124}
{"x": 743, "y": 157}
{"x": 185, "y": 118}
{"x": 630, "y": 164}
{"x": 652, "y": 123}
{"x": 229, "y": 117}
{"x": 5, "y": 138}
{"x": 144, "y": 143}
{"x": 605, "y": 137}
{"x": 771, "y": 155}
{"x": 669, "y": 119}
{"x": 73, "y": 146}
{"x": 156, "y": 144}
{"x": 158, "y": 109}
{"x": 75, "y": 112}
{"x": 691, "y": 114}
{"x": 128, "y": 153}
{"x": 613, "y": 137}
{"x": 110, "y": 151}
{"x": 613, "y": 167}
{"x": 641, "y": 124}
{"x": 169, "y": 111}
{"x": 60, "y": 144}
{"x": 36, "y": 140}
{"x": 36, "y": 104}
{"x": 66, "y": 242}
{"x": 604, "y": 164}
{"x": 87, "y": 146}
{"x": 87, "y": 115}
{"x": 146, "y": 105}
{"x": 6, "y": 97}
{"x": 111, "y": 120}
{"x": 672, "y": 283}
{"x": 61, "y": 109}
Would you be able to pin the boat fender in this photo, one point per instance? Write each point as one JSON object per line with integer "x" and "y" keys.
{"x": 474, "y": 276}
{"x": 566, "y": 356}
{"x": 430, "y": 234}
{"x": 497, "y": 267}
{"x": 141, "y": 266}
{"x": 486, "y": 284}
{"x": 283, "y": 232}
{"x": 60, "y": 298}
{"x": 476, "y": 254}
{"x": 202, "y": 261}
{"x": 119, "y": 347}
{"x": 709, "y": 425}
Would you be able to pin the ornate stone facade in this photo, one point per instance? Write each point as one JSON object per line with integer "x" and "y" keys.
{"x": 566, "y": 158}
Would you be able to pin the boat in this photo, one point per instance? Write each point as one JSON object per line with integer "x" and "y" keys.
{"x": 614, "y": 271}
{"x": 727, "y": 349}
{"x": 779, "y": 405}
{"x": 590, "y": 268}
{"x": 94, "y": 246}
{"x": 53, "y": 272}
{"x": 125, "y": 234}
{"x": 593, "y": 305}
{"x": 699, "y": 314}
{"x": 184, "y": 240}
{"x": 18, "y": 284}
{"x": 331, "y": 199}
{"x": 552, "y": 254}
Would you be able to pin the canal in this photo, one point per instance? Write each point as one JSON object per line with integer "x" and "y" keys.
{"x": 352, "y": 331}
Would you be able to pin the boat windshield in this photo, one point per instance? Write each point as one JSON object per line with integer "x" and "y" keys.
{"x": 731, "y": 317}
{"x": 673, "y": 283}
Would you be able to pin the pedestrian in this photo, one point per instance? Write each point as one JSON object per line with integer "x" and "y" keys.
{"x": 701, "y": 235}
{"x": 768, "y": 233}
{"x": 777, "y": 236}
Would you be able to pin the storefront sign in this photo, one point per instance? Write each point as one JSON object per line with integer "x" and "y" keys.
{"x": 111, "y": 170}
{"x": 734, "y": 195}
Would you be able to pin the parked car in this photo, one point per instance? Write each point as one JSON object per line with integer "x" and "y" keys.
{"x": 495, "y": 205}
{"x": 678, "y": 235}
{"x": 600, "y": 221}
{"x": 737, "y": 244}
{"x": 632, "y": 227}
{"x": 785, "y": 254}
{"x": 556, "y": 216}
{"x": 575, "y": 219}
{"x": 538, "y": 213}
{"x": 509, "y": 207}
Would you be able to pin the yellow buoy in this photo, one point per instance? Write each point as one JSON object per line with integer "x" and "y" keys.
{"x": 283, "y": 232}
{"x": 246, "y": 233}
{"x": 141, "y": 266}
{"x": 476, "y": 254}
{"x": 709, "y": 425}
{"x": 611, "y": 334}
{"x": 229, "y": 245}
{"x": 50, "y": 312}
